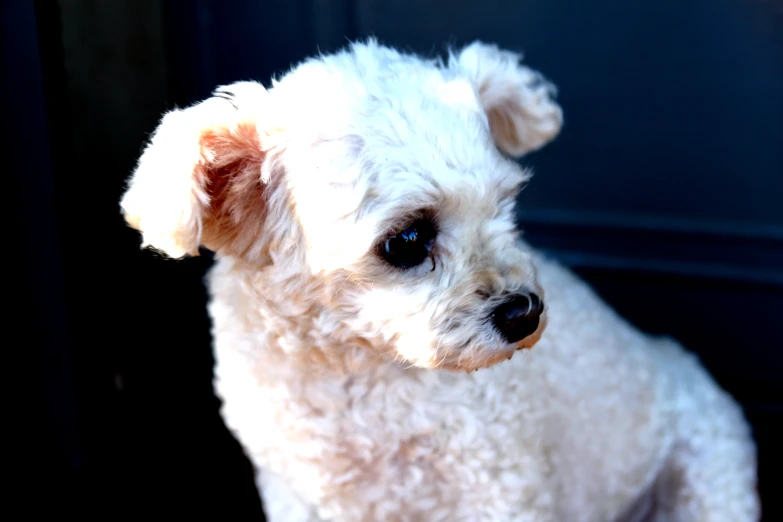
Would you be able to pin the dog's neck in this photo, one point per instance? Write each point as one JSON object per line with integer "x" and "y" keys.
{"x": 286, "y": 312}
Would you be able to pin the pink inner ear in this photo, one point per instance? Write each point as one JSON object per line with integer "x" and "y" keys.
{"x": 524, "y": 125}
{"x": 230, "y": 172}
{"x": 504, "y": 130}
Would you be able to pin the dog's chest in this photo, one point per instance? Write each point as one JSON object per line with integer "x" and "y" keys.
{"x": 396, "y": 439}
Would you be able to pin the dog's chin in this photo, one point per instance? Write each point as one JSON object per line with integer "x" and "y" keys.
{"x": 458, "y": 360}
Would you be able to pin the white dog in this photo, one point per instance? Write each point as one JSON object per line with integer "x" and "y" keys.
{"x": 362, "y": 213}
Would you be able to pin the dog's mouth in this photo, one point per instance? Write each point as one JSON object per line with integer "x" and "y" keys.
{"x": 532, "y": 339}
{"x": 470, "y": 357}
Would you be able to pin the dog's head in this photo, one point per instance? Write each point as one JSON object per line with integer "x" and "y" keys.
{"x": 378, "y": 182}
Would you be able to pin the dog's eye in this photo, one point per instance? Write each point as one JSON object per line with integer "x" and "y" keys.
{"x": 411, "y": 246}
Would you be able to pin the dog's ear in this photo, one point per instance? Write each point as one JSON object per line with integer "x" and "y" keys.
{"x": 202, "y": 175}
{"x": 518, "y": 101}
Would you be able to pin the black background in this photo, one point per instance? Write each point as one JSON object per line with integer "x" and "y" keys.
{"x": 665, "y": 191}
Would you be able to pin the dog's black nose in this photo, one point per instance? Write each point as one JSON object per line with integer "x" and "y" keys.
{"x": 517, "y": 317}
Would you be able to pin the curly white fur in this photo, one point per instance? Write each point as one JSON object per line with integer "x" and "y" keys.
{"x": 335, "y": 367}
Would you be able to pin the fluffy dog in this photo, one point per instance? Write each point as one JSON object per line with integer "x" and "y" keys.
{"x": 362, "y": 214}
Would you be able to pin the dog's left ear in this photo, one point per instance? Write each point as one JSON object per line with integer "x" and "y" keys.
{"x": 518, "y": 101}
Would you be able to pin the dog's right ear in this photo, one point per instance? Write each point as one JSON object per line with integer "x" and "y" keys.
{"x": 202, "y": 175}
{"x": 520, "y": 104}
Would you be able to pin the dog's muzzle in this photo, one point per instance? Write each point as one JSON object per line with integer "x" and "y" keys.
{"x": 518, "y": 316}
